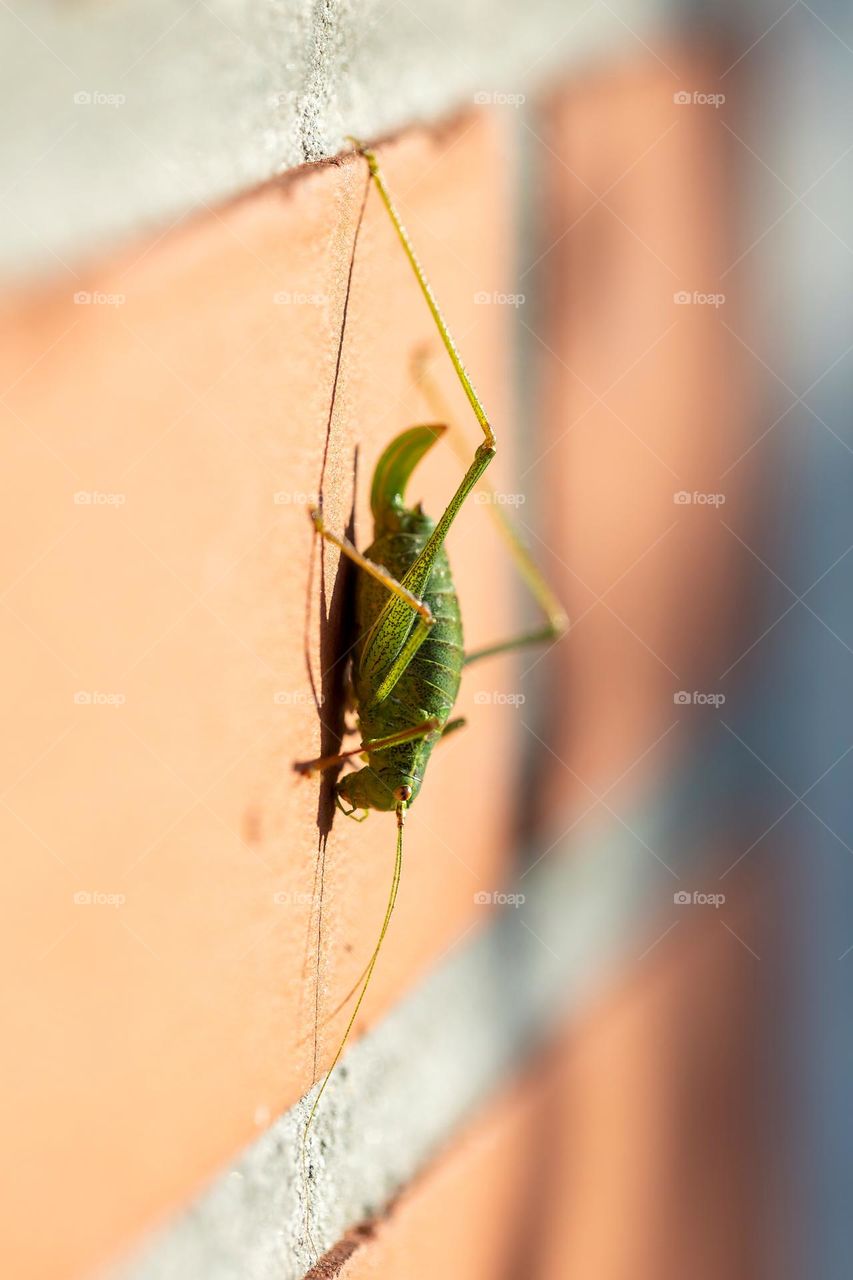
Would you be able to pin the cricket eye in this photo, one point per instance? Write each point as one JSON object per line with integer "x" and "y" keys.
{"x": 404, "y": 794}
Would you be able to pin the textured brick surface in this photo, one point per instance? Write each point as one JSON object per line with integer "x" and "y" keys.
{"x": 147, "y": 1041}
{"x": 172, "y": 1025}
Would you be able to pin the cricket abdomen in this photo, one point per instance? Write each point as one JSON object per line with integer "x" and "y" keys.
{"x": 428, "y": 687}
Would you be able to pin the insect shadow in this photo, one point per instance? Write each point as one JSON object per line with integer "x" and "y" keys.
{"x": 337, "y": 637}
{"x": 337, "y": 622}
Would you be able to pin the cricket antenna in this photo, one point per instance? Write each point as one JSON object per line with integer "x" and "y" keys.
{"x": 402, "y": 796}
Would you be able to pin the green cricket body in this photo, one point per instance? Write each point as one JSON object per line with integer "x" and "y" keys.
{"x": 428, "y": 686}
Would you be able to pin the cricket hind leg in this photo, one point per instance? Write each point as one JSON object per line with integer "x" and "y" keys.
{"x": 393, "y": 621}
{"x": 556, "y": 621}
{"x": 426, "y": 289}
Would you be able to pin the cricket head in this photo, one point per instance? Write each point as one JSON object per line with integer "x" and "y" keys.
{"x": 383, "y": 789}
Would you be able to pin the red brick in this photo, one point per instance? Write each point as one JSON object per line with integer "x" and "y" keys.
{"x": 144, "y": 1044}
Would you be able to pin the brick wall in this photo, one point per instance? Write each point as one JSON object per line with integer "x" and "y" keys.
{"x": 187, "y": 915}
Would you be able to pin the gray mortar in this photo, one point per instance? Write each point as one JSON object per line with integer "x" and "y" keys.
{"x": 221, "y": 95}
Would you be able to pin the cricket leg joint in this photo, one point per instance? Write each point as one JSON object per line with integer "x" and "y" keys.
{"x": 375, "y": 570}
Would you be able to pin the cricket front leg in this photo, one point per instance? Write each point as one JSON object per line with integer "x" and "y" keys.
{"x": 376, "y": 571}
{"x": 395, "y": 618}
